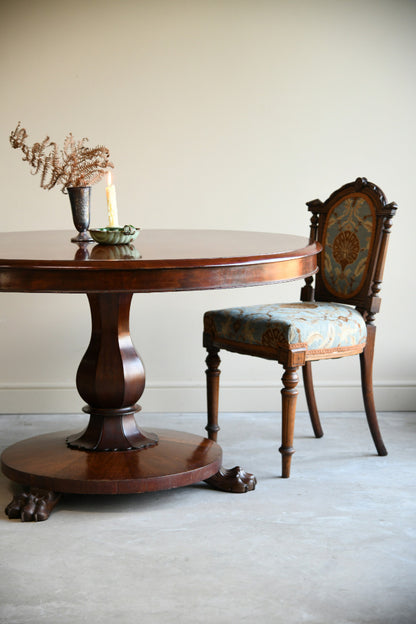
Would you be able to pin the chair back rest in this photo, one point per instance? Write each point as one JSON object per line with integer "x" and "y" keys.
{"x": 353, "y": 226}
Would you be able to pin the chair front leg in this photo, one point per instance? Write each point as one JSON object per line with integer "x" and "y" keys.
{"x": 289, "y": 393}
{"x": 366, "y": 362}
{"x": 310, "y": 399}
{"x": 213, "y": 388}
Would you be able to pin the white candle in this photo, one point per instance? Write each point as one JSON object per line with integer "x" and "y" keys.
{"x": 110, "y": 191}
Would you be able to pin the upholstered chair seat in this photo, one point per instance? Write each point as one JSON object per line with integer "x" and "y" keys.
{"x": 333, "y": 319}
{"x": 317, "y": 327}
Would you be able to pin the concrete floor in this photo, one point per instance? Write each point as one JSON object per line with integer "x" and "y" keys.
{"x": 334, "y": 544}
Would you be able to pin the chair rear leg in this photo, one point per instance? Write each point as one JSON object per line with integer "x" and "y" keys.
{"x": 366, "y": 363}
{"x": 213, "y": 387}
{"x": 310, "y": 399}
{"x": 289, "y": 393}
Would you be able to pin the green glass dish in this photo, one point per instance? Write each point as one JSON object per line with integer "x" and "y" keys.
{"x": 114, "y": 235}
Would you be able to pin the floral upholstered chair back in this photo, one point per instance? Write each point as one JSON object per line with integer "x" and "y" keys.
{"x": 353, "y": 227}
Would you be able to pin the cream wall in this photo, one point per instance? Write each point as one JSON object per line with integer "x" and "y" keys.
{"x": 218, "y": 114}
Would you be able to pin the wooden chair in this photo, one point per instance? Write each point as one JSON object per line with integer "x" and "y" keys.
{"x": 333, "y": 319}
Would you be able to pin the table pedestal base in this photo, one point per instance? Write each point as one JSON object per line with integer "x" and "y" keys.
{"x": 49, "y": 467}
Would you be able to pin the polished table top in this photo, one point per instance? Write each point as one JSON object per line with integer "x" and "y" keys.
{"x": 157, "y": 260}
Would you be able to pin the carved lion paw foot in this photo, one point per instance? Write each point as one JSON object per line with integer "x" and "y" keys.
{"x": 234, "y": 480}
{"x": 32, "y": 506}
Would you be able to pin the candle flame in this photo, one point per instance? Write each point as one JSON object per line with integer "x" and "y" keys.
{"x": 109, "y": 178}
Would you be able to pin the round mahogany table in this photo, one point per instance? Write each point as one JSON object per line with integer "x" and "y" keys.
{"x": 113, "y": 454}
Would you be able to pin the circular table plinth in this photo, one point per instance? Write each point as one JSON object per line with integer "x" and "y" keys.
{"x": 46, "y": 462}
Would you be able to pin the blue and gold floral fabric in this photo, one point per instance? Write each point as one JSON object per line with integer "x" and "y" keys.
{"x": 347, "y": 242}
{"x": 312, "y": 325}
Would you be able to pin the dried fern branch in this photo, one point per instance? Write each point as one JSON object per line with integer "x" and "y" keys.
{"x": 75, "y": 165}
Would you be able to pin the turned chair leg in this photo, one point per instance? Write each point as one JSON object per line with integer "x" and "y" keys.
{"x": 213, "y": 387}
{"x": 289, "y": 393}
{"x": 366, "y": 362}
{"x": 310, "y": 399}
